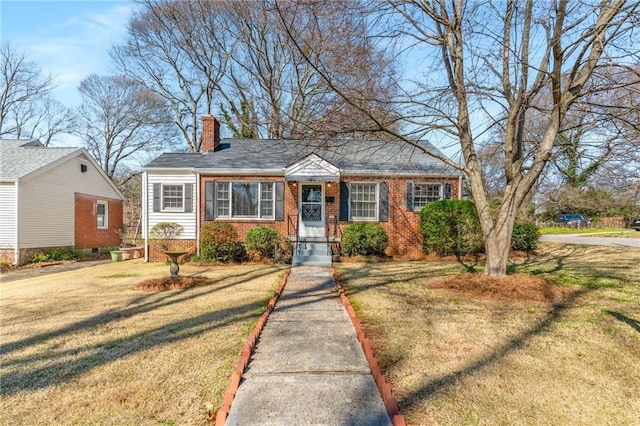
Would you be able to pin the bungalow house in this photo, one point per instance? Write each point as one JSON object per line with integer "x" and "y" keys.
{"x": 307, "y": 190}
{"x": 54, "y": 197}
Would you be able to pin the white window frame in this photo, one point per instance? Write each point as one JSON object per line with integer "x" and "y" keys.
{"x": 162, "y": 198}
{"x": 377, "y": 202}
{"x": 105, "y": 216}
{"x": 417, "y": 207}
{"x": 229, "y": 200}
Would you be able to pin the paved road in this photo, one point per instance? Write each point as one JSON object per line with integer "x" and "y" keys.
{"x": 591, "y": 240}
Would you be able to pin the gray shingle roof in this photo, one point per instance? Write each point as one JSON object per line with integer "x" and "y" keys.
{"x": 262, "y": 156}
{"x": 20, "y": 157}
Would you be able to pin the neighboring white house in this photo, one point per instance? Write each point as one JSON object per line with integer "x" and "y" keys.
{"x": 54, "y": 197}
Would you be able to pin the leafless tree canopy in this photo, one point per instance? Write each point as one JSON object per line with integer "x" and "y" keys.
{"x": 121, "y": 120}
{"x": 477, "y": 69}
{"x": 240, "y": 62}
{"x": 27, "y": 109}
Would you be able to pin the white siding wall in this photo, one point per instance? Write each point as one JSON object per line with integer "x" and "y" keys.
{"x": 187, "y": 220}
{"x": 47, "y": 203}
{"x": 7, "y": 215}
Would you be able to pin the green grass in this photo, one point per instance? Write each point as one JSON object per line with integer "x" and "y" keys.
{"x": 550, "y": 230}
{"x": 121, "y": 275}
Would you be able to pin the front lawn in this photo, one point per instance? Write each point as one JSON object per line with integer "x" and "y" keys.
{"x": 86, "y": 347}
{"x": 459, "y": 355}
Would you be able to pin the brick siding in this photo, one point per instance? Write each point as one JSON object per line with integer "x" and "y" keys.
{"x": 87, "y": 234}
{"x": 402, "y": 226}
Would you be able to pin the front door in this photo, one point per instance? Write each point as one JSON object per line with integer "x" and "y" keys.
{"x": 311, "y": 210}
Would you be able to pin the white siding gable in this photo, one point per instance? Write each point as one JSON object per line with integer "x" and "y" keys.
{"x": 186, "y": 219}
{"x": 47, "y": 202}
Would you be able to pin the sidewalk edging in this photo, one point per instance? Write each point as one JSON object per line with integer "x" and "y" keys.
{"x": 247, "y": 350}
{"x": 390, "y": 402}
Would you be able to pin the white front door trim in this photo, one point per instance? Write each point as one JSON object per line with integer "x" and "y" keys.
{"x": 311, "y": 209}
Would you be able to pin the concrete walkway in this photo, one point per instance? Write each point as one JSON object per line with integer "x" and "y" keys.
{"x": 308, "y": 367}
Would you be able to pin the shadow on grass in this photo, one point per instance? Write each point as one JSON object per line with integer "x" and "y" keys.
{"x": 142, "y": 304}
{"x": 435, "y": 385}
{"x": 625, "y": 319}
{"x": 22, "y": 377}
{"x": 586, "y": 276}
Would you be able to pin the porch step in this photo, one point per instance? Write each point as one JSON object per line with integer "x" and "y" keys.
{"x": 311, "y": 254}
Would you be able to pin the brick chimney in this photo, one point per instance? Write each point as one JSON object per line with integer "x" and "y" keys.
{"x": 210, "y": 133}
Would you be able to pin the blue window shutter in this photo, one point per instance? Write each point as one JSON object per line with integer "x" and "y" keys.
{"x": 279, "y": 201}
{"x": 410, "y": 196}
{"x": 188, "y": 197}
{"x": 447, "y": 191}
{"x": 384, "y": 202}
{"x": 157, "y": 195}
{"x": 209, "y": 202}
{"x": 344, "y": 201}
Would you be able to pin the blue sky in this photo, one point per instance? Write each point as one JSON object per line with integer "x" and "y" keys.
{"x": 68, "y": 39}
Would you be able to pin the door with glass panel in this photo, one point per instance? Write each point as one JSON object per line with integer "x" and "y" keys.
{"x": 311, "y": 209}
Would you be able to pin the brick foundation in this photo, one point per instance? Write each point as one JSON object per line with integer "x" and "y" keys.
{"x": 156, "y": 252}
{"x": 7, "y": 256}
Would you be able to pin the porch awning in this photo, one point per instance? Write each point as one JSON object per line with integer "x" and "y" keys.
{"x": 312, "y": 168}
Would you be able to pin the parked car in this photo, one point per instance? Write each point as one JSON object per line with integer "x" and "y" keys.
{"x": 635, "y": 224}
{"x": 572, "y": 220}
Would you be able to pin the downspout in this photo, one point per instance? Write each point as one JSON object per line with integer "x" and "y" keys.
{"x": 197, "y": 214}
{"x": 145, "y": 215}
{"x": 16, "y": 246}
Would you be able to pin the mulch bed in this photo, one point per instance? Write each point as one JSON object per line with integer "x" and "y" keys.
{"x": 168, "y": 283}
{"x": 512, "y": 287}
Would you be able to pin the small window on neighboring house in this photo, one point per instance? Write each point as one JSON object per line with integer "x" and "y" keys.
{"x": 173, "y": 197}
{"x": 364, "y": 201}
{"x": 102, "y": 213}
{"x": 424, "y": 193}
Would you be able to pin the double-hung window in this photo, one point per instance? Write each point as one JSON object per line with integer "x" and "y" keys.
{"x": 102, "y": 214}
{"x": 173, "y": 197}
{"x": 245, "y": 200}
{"x": 424, "y": 193}
{"x": 364, "y": 201}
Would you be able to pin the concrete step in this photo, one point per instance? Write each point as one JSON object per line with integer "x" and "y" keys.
{"x": 311, "y": 261}
{"x": 312, "y": 249}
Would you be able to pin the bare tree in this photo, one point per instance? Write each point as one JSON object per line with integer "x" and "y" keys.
{"x": 121, "y": 120}
{"x": 481, "y": 67}
{"x": 176, "y": 49}
{"x": 27, "y": 109}
{"x": 201, "y": 54}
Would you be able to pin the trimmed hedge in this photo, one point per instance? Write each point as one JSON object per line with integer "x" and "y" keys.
{"x": 451, "y": 227}
{"x": 364, "y": 239}
{"x": 219, "y": 242}
{"x": 526, "y": 237}
{"x": 263, "y": 242}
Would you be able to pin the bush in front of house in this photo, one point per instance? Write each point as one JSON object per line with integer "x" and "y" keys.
{"x": 263, "y": 242}
{"x": 59, "y": 254}
{"x": 526, "y": 237}
{"x": 163, "y": 234}
{"x": 218, "y": 242}
{"x": 364, "y": 239}
{"x": 451, "y": 227}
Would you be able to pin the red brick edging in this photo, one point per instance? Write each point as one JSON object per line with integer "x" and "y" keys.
{"x": 247, "y": 350}
{"x": 390, "y": 402}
